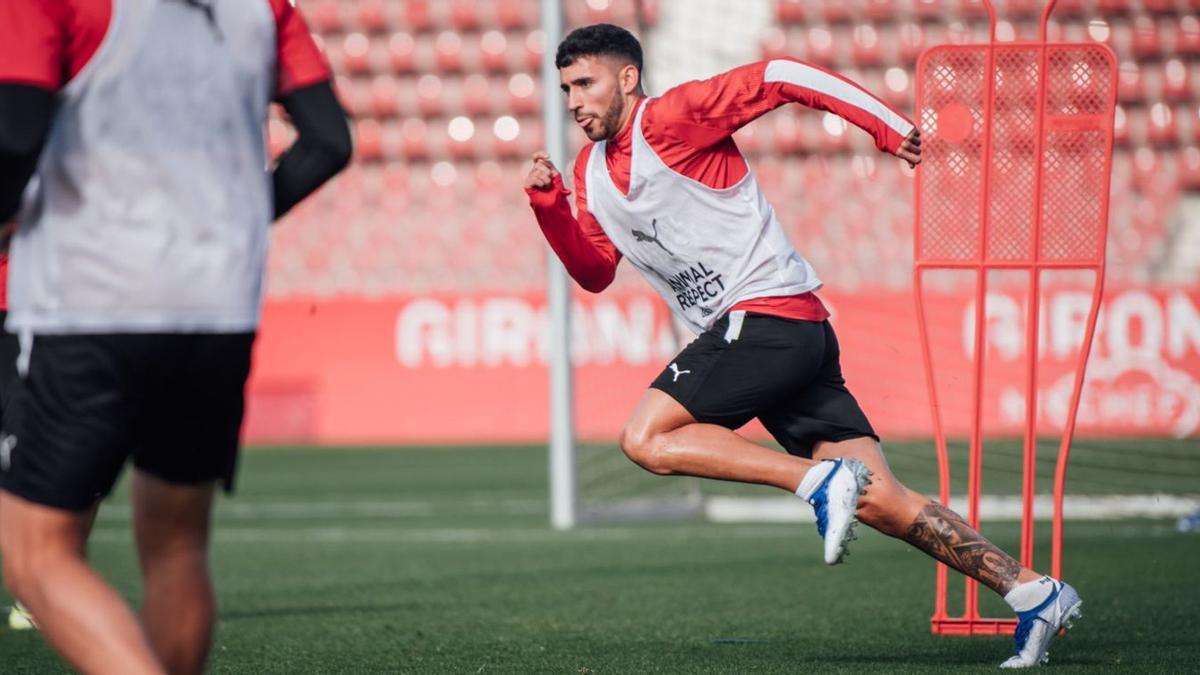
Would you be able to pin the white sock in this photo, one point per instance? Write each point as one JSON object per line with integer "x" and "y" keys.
{"x": 1030, "y": 594}
{"x": 813, "y": 479}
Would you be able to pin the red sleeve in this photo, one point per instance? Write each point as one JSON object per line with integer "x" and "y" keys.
{"x": 703, "y": 113}
{"x": 300, "y": 60}
{"x": 588, "y": 254}
{"x": 33, "y": 43}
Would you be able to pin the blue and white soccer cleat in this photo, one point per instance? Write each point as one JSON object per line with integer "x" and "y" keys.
{"x": 1037, "y": 627}
{"x": 835, "y": 500}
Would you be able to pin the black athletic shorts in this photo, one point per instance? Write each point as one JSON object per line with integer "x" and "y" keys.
{"x": 10, "y": 348}
{"x": 784, "y": 372}
{"x": 84, "y": 404}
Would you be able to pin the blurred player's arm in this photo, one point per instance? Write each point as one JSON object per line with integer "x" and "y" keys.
{"x": 703, "y": 113}
{"x": 25, "y": 113}
{"x": 580, "y": 243}
{"x": 323, "y": 146}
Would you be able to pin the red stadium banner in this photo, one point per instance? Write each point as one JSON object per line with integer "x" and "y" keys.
{"x": 472, "y": 369}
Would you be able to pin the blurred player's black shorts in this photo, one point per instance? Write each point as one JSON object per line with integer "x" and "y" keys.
{"x": 86, "y": 403}
{"x": 785, "y": 372}
{"x": 10, "y": 347}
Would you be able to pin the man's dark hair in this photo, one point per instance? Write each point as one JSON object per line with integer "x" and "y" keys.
{"x": 602, "y": 39}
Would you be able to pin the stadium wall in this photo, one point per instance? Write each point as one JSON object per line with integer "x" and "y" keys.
{"x": 471, "y": 368}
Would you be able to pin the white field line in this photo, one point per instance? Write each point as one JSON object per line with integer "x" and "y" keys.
{"x": 400, "y": 535}
{"x": 243, "y": 510}
{"x": 994, "y": 508}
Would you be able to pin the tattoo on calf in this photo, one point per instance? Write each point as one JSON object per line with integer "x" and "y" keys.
{"x": 944, "y": 535}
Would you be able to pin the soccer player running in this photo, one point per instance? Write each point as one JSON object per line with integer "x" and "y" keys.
{"x": 135, "y": 286}
{"x": 664, "y": 185}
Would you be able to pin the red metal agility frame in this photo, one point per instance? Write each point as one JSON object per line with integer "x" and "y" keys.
{"x": 1063, "y": 227}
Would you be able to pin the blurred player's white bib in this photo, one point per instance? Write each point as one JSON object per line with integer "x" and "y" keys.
{"x": 704, "y": 250}
{"x": 154, "y": 201}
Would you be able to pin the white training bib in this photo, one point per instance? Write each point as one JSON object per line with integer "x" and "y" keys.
{"x": 153, "y": 199}
{"x": 704, "y": 250}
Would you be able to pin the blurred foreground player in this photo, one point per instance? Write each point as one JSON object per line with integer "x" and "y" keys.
{"x": 18, "y": 617}
{"x": 135, "y": 286}
{"x": 664, "y": 185}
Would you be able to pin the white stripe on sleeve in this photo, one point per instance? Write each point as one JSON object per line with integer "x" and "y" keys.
{"x": 822, "y": 82}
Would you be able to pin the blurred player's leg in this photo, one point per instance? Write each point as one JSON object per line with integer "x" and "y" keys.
{"x": 10, "y": 348}
{"x": 81, "y": 615}
{"x": 171, "y": 523}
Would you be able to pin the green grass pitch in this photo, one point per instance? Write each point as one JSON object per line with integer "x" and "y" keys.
{"x": 441, "y": 561}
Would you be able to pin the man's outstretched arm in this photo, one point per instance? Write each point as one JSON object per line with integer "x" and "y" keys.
{"x": 703, "y": 113}
{"x": 588, "y": 254}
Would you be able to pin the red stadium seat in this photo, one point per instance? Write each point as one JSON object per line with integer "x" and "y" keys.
{"x": 514, "y": 14}
{"x": 1068, "y": 9}
{"x": 429, "y": 95}
{"x": 911, "y": 42}
{"x": 788, "y": 134}
{"x": 414, "y": 134}
{"x": 402, "y": 52}
{"x": 448, "y": 52}
{"x": 493, "y": 51}
{"x": 1177, "y": 80}
{"x": 1113, "y": 7}
{"x": 368, "y": 142}
{"x": 385, "y": 96}
{"x": 354, "y": 53}
{"x": 477, "y": 95}
{"x": 507, "y": 132}
{"x": 1146, "y": 44}
{"x": 881, "y": 11}
{"x": 789, "y": 11}
{"x": 1024, "y": 9}
{"x": 928, "y": 10}
{"x": 774, "y": 44}
{"x": 326, "y": 15}
{"x": 1131, "y": 86}
{"x": 371, "y": 15}
{"x": 1187, "y": 36}
{"x": 393, "y": 141}
{"x": 464, "y": 15}
{"x": 535, "y": 47}
{"x": 898, "y": 87}
{"x": 354, "y": 94}
{"x": 819, "y": 46}
{"x": 462, "y": 133}
{"x": 972, "y": 9}
{"x": 1189, "y": 168}
{"x": 1162, "y": 129}
{"x": 866, "y": 49}
{"x": 1192, "y": 114}
{"x": 1159, "y": 6}
{"x": 835, "y": 11}
{"x": 418, "y": 15}
{"x": 523, "y": 94}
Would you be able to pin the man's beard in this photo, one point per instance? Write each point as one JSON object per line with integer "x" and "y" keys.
{"x": 607, "y": 125}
